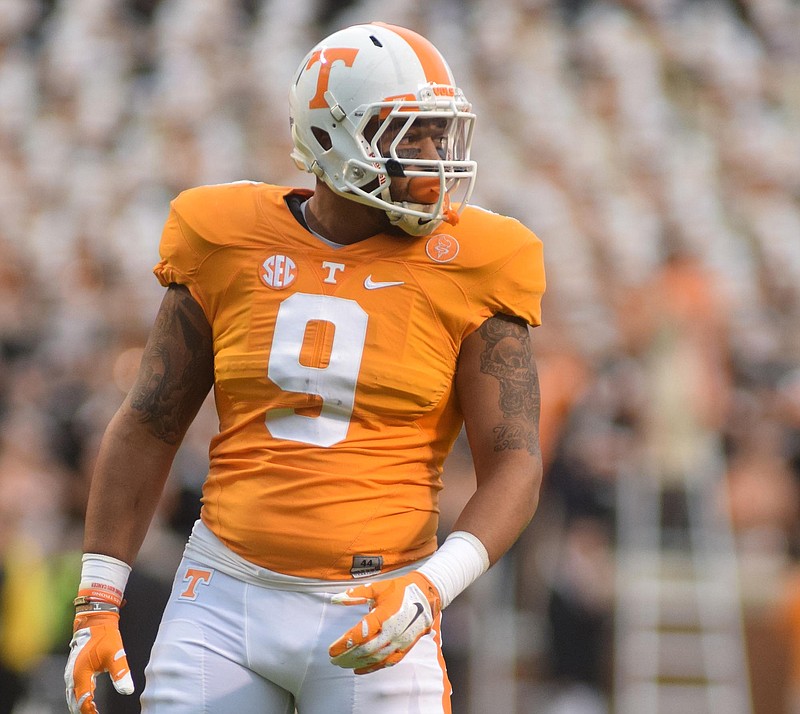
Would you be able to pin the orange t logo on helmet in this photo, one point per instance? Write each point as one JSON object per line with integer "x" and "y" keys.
{"x": 326, "y": 58}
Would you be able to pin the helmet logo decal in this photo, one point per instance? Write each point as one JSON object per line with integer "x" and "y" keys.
{"x": 278, "y": 271}
{"x": 442, "y": 248}
{"x": 326, "y": 57}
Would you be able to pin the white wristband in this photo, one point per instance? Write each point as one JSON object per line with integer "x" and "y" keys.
{"x": 458, "y": 563}
{"x": 104, "y": 570}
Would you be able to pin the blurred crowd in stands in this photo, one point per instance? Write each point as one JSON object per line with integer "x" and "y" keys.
{"x": 654, "y": 146}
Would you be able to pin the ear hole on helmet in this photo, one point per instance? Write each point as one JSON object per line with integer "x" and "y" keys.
{"x": 323, "y": 137}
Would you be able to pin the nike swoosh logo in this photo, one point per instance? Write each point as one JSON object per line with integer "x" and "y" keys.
{"x": 420, "y": 610}
{"x": 371, "y": 284}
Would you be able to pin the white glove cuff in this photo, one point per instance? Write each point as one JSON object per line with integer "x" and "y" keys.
{"x": 458, "y": 563}
{"x": 104, "y": 570}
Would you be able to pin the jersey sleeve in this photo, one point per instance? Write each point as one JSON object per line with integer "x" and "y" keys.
{"x": 201, "y": 222}
{"x": 513, "y": 279}
{"x": 179, "y": 260}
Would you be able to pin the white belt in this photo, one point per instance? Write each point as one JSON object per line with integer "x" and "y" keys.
{"x": 205, "y": 548}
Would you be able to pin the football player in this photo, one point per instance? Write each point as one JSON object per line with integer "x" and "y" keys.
{"x": 348, "y": 333}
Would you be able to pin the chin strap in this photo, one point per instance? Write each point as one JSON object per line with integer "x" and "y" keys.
{"x": 425, "y": 193}
{"x": 415, "y": 226}
{"x": 412, "y": 224}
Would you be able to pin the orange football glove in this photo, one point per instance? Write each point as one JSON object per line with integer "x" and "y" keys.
{"x": 96, "y": 647}
{"x": 402, "y": 610}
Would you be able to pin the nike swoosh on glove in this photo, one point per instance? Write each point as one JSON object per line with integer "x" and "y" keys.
{"x": 96, "y": 647}
{"x": 402, "y": 610}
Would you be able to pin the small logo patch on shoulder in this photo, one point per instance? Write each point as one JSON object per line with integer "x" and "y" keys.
{"x": 442, "y": 248}
{"x": 366, "y": 565}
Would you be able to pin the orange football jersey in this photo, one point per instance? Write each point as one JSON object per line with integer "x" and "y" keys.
{"x": 334, "y": 371}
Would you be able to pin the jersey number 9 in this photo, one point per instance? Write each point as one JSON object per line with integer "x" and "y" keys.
{"x": 335, "y": 383}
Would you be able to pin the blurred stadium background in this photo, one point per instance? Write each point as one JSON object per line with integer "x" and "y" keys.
{"x": 654, "y": 145}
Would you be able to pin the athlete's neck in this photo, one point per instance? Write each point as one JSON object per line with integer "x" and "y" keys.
{"x": 341, "y": 220}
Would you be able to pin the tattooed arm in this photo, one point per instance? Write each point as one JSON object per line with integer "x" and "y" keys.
{"x": 498, "y": 390}
{"x": 140, "y": 443}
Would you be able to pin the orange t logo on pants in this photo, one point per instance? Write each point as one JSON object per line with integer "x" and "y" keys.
{"x": 194, "y": 576}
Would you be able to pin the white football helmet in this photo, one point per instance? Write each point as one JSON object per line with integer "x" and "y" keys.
{"x": 354, "y": 98}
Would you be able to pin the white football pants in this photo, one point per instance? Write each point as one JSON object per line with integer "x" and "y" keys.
{"x": 226, "y": 646}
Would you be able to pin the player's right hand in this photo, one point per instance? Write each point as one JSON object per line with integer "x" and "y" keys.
{"x": 401, "y": 611}
{"x": 96, "y": 647}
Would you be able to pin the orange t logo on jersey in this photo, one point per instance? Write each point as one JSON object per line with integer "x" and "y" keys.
{"x": 194, "y": 576}
{"x": 326, "y": 58}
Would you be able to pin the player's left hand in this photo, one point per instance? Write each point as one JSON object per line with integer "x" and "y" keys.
{"x": 401, "y": 611}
